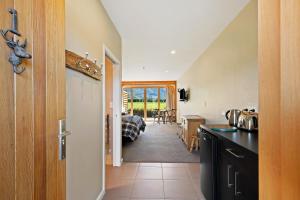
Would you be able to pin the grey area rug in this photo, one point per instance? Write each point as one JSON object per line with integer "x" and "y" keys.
{"x": 159, "y": 143}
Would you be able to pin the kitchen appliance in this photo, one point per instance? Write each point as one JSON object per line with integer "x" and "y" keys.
{"x": 248, "y": 120}
{"x": 232, "y": 116}
{"x": 208, "y": 164}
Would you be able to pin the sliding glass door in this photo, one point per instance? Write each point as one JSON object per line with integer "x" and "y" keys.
{"x": 143, "y": 101}
{"x": 152, "y": 101}
{"x": 163, "y": 98}
{"x": 138, "y": 101}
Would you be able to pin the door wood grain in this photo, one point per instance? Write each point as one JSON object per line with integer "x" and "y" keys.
{"x": 279, "y": 50}
{"x": 290, "y": 98}
{"x": 108, "y": 103}
{"x": 7, "y": 115}
{"x": 269, "y": 99}
{"x": 55, "y": 95}
{"x": 31, "y": 103}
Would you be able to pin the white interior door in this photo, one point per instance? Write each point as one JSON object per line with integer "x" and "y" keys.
{"x": 84, "y": 146}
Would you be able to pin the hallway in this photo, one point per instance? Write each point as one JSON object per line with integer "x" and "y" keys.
{"x": 179, "y": 181}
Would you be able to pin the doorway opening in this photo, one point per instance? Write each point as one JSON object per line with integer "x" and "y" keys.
{"x": 111, "y": 110}
{"x": 149, "y": 123}
{"x": 108, "y": 109}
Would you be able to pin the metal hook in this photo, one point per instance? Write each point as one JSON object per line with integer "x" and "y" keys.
{"x": 18, "y": 50}
{"x": 14, "y": 24}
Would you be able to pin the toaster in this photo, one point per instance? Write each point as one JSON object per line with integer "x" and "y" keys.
{"x": 248, "y": 120}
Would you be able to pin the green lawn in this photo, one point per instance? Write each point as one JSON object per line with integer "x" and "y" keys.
{"x": 150, "y": 105}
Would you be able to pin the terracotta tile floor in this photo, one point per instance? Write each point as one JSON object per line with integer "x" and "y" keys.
{"x": 180, "y": 181}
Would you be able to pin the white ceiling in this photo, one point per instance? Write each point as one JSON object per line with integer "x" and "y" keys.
{"x": 151, "y": 29}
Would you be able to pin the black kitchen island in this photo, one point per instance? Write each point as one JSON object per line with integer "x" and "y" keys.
{"x": 229, "y": 164}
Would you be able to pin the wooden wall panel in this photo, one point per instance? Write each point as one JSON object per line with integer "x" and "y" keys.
{"x": 39, "y": 87}
{"x": 269, "y": 99}
{"x": 59, "y": 9}
{"x": 279, "y": 139}
{"x": 24, "y": 105}
{"x": 7, "y": 130}
{"x": 29, "y": 167}
{"x": 290, "y": 99}
{"x": 55, "y": 95}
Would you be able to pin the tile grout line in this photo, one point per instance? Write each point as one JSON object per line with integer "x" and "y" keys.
{"x": 134, "y": 181}
{"x": 192, "y": 182}
{"x": 163, "y": 180}
{"x": 186, "y": 168}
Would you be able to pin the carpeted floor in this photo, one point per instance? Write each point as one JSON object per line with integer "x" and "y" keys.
{"x": 159, "y": 143}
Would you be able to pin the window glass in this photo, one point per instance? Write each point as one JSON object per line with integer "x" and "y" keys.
{"x": 152, "y": 101}
{"x": 163, "y": 98}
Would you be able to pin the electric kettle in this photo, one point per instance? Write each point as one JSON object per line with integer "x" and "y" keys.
{"x": 248, "y": 120}
{"x": 233, "y": 116}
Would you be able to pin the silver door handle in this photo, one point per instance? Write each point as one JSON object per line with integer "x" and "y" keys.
{"x": 236, "y": 185}
{"x": 229, "y": 185}
{"x": 234, "y": 154}
{"x": 62, "y": 133}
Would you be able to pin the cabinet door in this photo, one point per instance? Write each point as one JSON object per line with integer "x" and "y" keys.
{"x": 246, "y": 179}
{"x": 226, "y": 178}
{"x": 208, "y": 165}
{"x": 238, "y": 167}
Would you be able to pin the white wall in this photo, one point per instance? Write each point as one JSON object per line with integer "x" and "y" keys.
{"x": 225, "y": 76}
{"x": 88, "y": 27}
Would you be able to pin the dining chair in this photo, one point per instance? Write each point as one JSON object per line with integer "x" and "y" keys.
{"x": 157, "y": 115}
{"x": 171, "y": 115}
{"x": 195, "y": 142}
{"x": 180, "y": 130}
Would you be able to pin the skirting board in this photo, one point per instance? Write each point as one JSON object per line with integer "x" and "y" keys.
{"x": 101, "y": 195}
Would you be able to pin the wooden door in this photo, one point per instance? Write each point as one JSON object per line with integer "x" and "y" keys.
{"x": 279, "y": 138}
{"x": 109, "y": 104}
{"x": 32, "y": 102}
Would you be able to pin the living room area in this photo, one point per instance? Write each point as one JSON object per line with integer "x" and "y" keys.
{"x": 152, "y": 100}
{"x": 152, "y": 131}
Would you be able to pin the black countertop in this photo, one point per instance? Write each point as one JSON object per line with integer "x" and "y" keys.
{"x": 245, "y": 139}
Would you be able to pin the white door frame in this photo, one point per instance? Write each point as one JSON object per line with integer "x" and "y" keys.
{"x": 117, "y": 109}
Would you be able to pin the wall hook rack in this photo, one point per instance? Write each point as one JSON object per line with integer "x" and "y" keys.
{"x": 18, "y": 49}
{"x": 83, "y": 65}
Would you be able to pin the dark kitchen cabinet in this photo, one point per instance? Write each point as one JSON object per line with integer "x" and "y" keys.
{"x": 226, "y": 180}
{"x": 208, "y": 165}
{"x": 238, "y": 173}
{"x": 229, "y": 164}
